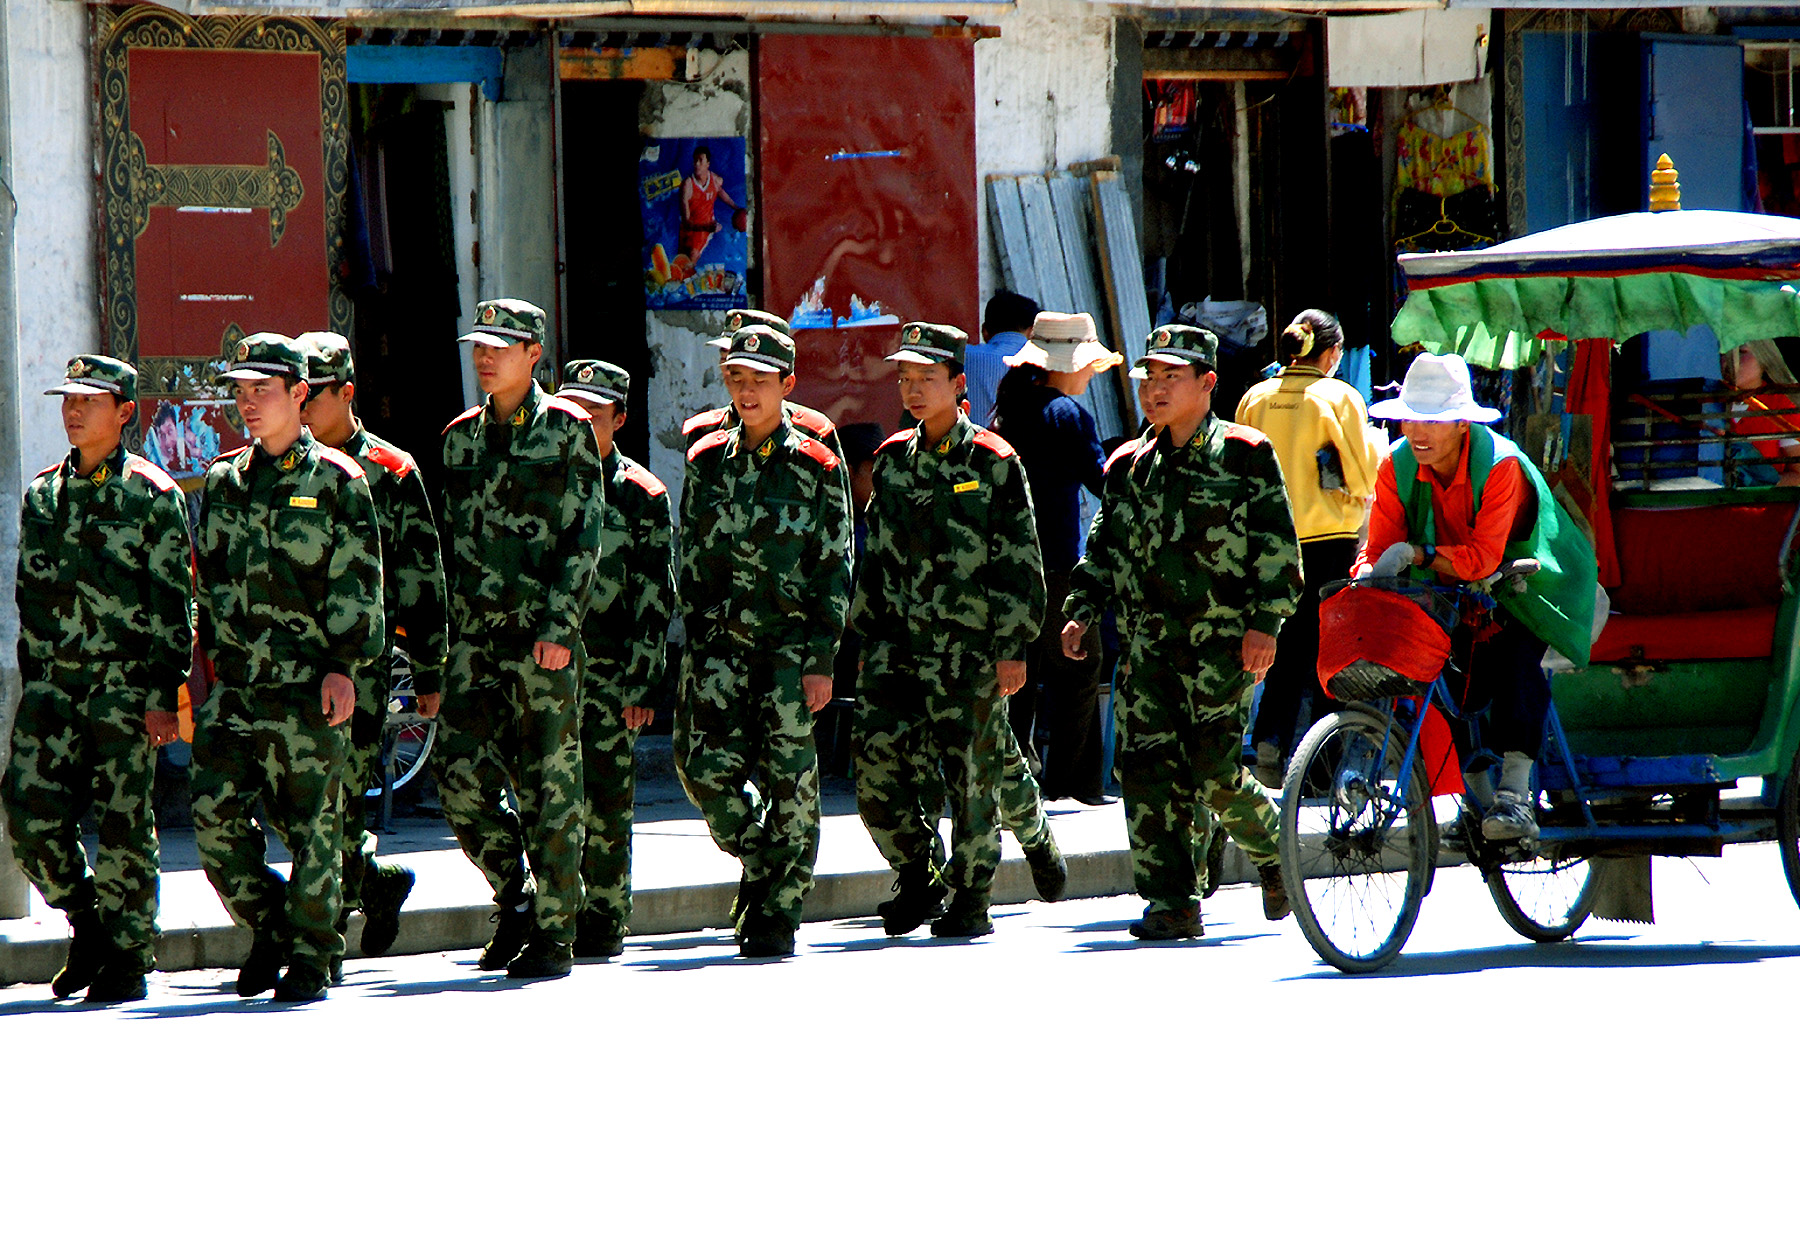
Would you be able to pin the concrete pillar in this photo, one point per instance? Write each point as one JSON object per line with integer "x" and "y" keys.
{"x": 516, "y": 188}
{"x": 15, "y": 896}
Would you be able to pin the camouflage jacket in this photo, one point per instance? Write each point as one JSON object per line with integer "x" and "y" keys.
{"x": 289, "y": 554}
{"x": 814, "y": 424}
{"x": 952, "y": 558}
{"x": 1193, "y": 544}
{"x": 522, "y": 536}
{"x": 765, "y": 545}
{"x": 627, "y": 624}
{"x": 106, "y": 573}
{"x": 412, "y": 567}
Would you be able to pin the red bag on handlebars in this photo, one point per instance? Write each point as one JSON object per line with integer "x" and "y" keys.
{"x": 1376, "y": 643}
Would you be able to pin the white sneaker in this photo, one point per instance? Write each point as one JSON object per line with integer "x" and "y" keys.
{"x": 1510, "y": 819}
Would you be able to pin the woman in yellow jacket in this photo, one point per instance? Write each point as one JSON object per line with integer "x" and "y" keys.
{"x": 1329, "y": 455}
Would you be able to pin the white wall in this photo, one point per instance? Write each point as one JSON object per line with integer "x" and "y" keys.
{"x": 52, "y": 176}
{"x": 684, "y": 370}
{"x": 1043, "y": 98}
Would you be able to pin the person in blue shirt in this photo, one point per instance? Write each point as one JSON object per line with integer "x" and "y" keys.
{"x": 1003, "y": 327}
{"x": 1056, "y": 440}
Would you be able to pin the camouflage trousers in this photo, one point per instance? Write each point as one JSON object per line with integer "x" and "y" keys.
{"x": 930, "y": 727}
{"x": 509, "y": 775}
{"x": 609, "y": 776}
{"x": 79, "y": 740}
{"x": 744, "y": 749}
{"x": 1180, "y": 761}
{"x": 273, "y": 745}
{"x": 362, "y": 767}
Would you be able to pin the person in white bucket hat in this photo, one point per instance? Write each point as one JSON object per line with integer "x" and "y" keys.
{"x": 1452, "y": 503}
{"x": 1039, "y": 413}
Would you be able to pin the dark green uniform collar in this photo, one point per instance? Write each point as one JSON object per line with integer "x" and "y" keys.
{"x": 528, "y": 411}
{"x": 110, "y": 469}
{"x": 960, "y": 432}
{"x": 296, "y": 456}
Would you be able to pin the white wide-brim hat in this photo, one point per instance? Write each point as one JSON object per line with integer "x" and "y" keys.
{"x": 1437, "y": 387}
{"x": 1064, "y": 342}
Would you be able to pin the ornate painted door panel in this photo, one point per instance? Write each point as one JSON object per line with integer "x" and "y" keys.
{"x": 223, "y": 144}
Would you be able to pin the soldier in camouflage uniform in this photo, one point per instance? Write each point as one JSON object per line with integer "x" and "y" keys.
{"x": 413, "y": 597}
{"x": 521, "y": 474}
{"x": 764, "y": 586}
{"x": 814, "y": 424}
{"x": 289, "y": 555}
{"x": 106, "y": 631}
{"x": 626, "y": 633}
{"x": 1194, "y": 546}
{"x": 950, "y": 592}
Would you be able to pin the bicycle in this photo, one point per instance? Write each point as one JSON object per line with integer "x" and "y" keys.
{"x": 1360, "y": 837}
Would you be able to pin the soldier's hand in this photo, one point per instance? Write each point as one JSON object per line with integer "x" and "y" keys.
{"x": 428, "y": 704}
{"x": 1072, "y": 634}
{"x": 1259, "y": 653}
{"x": 639, "y": 717}
{"x": 1012, "y": 676}
{"x": 817, "y": 690}
{"x": 337, "y": 698}
{"x": 162, "y": 726}
{"x": 550, "y": 656}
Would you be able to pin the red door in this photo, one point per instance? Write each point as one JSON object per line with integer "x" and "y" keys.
{"x": 224, "y": 146}
{"x": 866, "y": 159}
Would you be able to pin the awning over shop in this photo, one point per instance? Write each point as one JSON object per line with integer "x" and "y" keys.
{"x": 1612, "y": 277}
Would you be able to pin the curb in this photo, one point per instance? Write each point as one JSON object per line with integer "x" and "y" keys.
{"x": 655, "y": 912}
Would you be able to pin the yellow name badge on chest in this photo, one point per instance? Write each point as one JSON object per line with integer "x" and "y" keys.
{"x": 308, "y": 503}
{"x": 963, "y": 487}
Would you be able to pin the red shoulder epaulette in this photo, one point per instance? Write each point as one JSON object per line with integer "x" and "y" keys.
{"x": 1142, "y": 449}
{"x": 1123, "y": 451}
{"x": 812, "y": 448}
{"x": 47, "y": 471}
{"x": 1244, "y": 433}
{"x": 995, "y": 443}
{"x": 393, "y": 459}
{"x": 472, "y": 412}
{"x": 816, "y": 424}
{"x": 569, "y": 408}
{"x": 644, "y": 479}
{"x": 149, "y": 472}
{"x": 342, "y": 462}
{"x": 896, "y": 440}
{"x": 222, "y": 456}
{"x": 695, "y": 425}
{"x": 717, "y": 438}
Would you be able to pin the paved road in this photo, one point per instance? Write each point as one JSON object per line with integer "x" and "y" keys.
{"x": 1053, "y": 1084}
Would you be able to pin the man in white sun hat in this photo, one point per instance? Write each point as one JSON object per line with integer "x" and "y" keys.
{"x": 1453, "y": 502}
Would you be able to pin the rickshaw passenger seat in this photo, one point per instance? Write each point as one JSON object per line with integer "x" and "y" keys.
{"x": 1695, "y": 583}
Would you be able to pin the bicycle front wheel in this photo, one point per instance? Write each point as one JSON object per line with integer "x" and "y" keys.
{"x": 1356, "y": 840}
{"x": 1544, "y": 899}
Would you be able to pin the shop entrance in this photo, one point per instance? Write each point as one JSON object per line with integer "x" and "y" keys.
{"x": 604, "y": 239}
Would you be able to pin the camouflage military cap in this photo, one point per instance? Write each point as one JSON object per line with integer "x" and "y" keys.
{"x": 921, "y": 342}
{"x": 328, "y": 359}
{"x": 266, "y": 355}
{"x": 502, "y": 322}
{"x": 595, "y": 379}
{"x": 738, "y": 318}
{"x": 764, "y": 349}
{"x": 1179, "y": 344}
{"x": 98, "y": 374}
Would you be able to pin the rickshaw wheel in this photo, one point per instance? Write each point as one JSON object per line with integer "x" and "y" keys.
{"x": 1545, "y": 899}
{"x": 407, "y": 736}
{"x": 1356, "y": 840}
{"x": 1787, "y": 829}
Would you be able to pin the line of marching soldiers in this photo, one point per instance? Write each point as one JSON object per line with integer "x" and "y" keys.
{"x": 535, "y": 616}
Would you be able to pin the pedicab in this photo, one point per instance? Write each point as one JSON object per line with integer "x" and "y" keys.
{"x": 1692, "y": 686}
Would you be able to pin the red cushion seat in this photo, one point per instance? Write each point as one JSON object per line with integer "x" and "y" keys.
{"x": 1746, "y": 633}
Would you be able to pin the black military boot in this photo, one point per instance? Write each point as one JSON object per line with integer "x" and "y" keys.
{"x": 544, "y": 957}
{"x": 598, "y": 936}
{"x": 750, "y": 897}
{"x": 1049, "y": 873}
{"x": 117, "y": 983}
{"x": 303, "y": 982}
{"x": 262, "y": 969}
{"x": 1183, "y": 924}
{"x": 88, "y": 951}
{"x": 385, "y": 890}
{"x": 967, "y": 917}
{"x": 1274, "y": 891}
{"x": 919, "y": 897}
{"x": 513, "y": 924}
{"x": 765, "y": 936}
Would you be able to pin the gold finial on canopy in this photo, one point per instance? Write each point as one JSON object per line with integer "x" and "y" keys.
{"x": 1665, "y": 190}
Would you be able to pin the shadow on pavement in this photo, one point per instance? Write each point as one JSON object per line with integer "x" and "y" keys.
{"x": 1132, "y": 942}
{"x": 1600, "y": 953}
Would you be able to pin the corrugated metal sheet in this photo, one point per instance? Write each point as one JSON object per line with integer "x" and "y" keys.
{"x": 1070, "y": 196}
{"x": 1018, "y": 266}
{"x": 1122, "y": 266}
